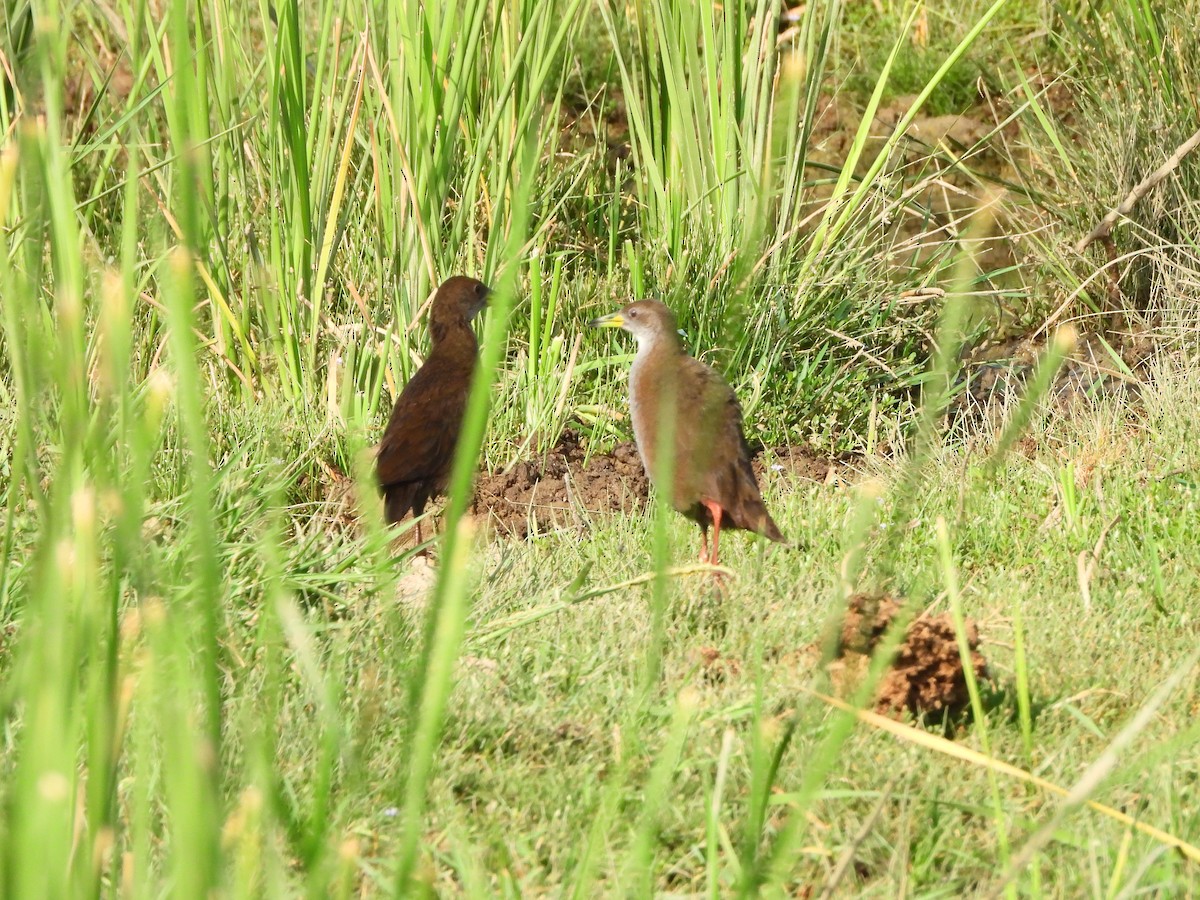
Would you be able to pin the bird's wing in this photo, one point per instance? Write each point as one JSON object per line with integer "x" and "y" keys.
{"x": 706, "y": 399}
{"x": 710, "y": 433}
{"x": 421, "y": 435}
{"x": 721, "y": 452}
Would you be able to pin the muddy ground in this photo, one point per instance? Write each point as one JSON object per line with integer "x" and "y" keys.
{"x": 568, "y": 486}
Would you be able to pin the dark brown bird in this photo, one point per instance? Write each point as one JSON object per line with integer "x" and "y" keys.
{"x": 417, "y": 449}
{"x": 711, "y": 478}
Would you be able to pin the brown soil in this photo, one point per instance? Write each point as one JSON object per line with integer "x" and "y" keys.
{"x": 536, "y": 495}
{"x": 927, "y": 675}
{"x": 798, "y": 463}
{"x": 560, "y": 490}
{"x": 567, "y": 486}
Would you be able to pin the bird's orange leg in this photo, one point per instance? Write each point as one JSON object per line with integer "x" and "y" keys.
{"x": 714, "y": 508}
{"x": 703, "y": 544}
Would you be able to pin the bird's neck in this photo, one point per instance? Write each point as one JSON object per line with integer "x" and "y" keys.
{"x": 653, "y": 365}
{"x": 657, "y": 350}
{"x": 452, "y": 334}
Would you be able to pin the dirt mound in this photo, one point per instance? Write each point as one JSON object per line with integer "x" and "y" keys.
{"x": 797, "y": 463}
{"x": 927, "y": 674}
{"x": 536, "y": 495}
{"x": 559, "y": 489}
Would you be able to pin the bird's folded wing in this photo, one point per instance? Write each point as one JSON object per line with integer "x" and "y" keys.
{"x": 715, "y": 409}
{"x": 709, "y": 404}
{"x": 420, "y": 438}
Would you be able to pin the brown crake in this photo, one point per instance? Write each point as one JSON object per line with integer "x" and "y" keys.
{"x": 417, "y": 451}
{"x": 712, "y": 482}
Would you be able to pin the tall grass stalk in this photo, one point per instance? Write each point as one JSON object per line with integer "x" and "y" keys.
{"x": 655, "y": 797}
{"x": 978, "y": 714}
{"x": 449, "y": 607}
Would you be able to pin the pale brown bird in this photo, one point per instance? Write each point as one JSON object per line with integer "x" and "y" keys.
{"x": 711, "y": 478}
{"x": 417, "y": 450}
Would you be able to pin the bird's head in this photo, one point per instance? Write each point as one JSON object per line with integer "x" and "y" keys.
{"x": 460, "y": 296}
{"x": 649, "y": 321}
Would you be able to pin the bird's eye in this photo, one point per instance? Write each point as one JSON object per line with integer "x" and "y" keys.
{"x": 633, "y": 314}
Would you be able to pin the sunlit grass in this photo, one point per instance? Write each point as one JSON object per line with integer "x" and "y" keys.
{"x": 223, "y": 221}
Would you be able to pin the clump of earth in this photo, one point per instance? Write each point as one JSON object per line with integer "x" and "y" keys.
{"x": 558, "y": 489}
{"x": 927, "y": 676}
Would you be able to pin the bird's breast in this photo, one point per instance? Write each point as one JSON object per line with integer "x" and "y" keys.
{"x": 650, "y": 387}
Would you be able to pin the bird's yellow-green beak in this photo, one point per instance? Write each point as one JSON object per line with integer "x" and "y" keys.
{"x": 612, "y": 320}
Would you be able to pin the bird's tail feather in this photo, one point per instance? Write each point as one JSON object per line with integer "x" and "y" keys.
{"x": 398, "y": 499}
{"x": 766, "y": 526}
{"x": 751, "y": 513}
